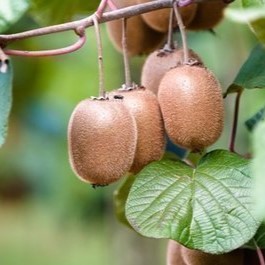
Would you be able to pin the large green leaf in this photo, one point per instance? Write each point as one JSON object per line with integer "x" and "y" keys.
{"x": 252, "y": 73}
{"x": 6, "y": 76}
{"x": 258, "y": 167}
{"x": 259, "y": 238}
{"x": 209, "y": 208}
{"x": 11, "y": 11}
{"x": 56, "y": 11}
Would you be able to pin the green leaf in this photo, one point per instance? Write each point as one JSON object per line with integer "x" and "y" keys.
{"x": 11, "y": 11}
{"x": 5, "y": 99}
{"x": 120, "y": 196}
{"x": 56, "y": 11}
{"x": 209, "y": 208}
{"x": 258, "y": 168}
{"x": 252, "y": 73}
{"x": 253, "y": 121}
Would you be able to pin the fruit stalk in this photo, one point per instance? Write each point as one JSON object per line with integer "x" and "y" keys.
{"x": 100, "y": 58}
{"x": 235, "y": 122}
{"x": 128, "y": 82}
{"x": 259, "y": 253}
{"x": 170, "y": 42}
{"x": 182, "y": 33}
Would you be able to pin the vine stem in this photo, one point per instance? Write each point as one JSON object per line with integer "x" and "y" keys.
{"x": 88, "y": 21}
{"x": 100, "y": 58}
{"x": 102, "y": 6}
{"x": 259, "y": 253}
{"x": 128, "y": 81}
{"x": 235, "y": 122}
{"x": 182, "y": 33}
{"x": 74, "y": 47}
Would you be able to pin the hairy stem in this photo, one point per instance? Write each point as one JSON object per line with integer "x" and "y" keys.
{"x": 259, "y": 253}
{"x": 170, "y": 42}
{"x": 100, "y": 58}
{"x": 183, "y": 33}
{"x": 235, "y": 122}
{"x": 128, "y": 82}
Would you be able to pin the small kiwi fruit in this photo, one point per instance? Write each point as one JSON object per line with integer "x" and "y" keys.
{"x": 101, "y": 140}
{"x": 159, "y": 62}
{"x": 196, "y": 257}
{"x": 159, "y": 19}
{"x": 192, "y": 106}
{"x": 208, "y": 15}
{"x": 174, "y": 253}
{"x": 143, "y": 106}
{"x": 141, "y": 39}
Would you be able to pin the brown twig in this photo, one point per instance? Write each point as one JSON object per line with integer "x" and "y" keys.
{"x": 235, "y": 122}
{"x": 87, "y": 22}
{"x": 74, "y": 47}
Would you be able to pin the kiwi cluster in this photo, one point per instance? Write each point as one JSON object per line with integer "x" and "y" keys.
{"x": 180, "y": 255}
{"x": 147, "y": 32}
{"x": 111, "y": 136}
{"x": 126, "y": 129}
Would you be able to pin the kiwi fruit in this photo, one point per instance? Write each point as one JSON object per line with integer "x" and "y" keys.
{"x": 143, "y": 106}
{"x": 192, "y": 106}
{"x": 195, "y": 257}
{"x": 159, "y": 62}
{"x": 159, "y": 19}
{"x": 208, "y": 15}
{"x": 141, "y": 39}
{"x": 174, "y": 254}
{"x": 102, "y": 140}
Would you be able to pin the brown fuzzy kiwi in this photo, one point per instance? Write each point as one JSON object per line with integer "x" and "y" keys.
{"x": 141, "y": 39}
{"x": 174, "y": 254}
{"x": 208, "y": 15}
{"x": 195, "y": 257}
{"x": 159, "y": 19}
{"x": 160, "y": 62}
{"x": 192, "y": 106}
{"x": 101, "y": 140}
{"x": 144, "y": 107}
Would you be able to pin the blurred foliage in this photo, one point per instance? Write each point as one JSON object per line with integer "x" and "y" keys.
{"x": 11, "y": 11}
{"x": 56, "y": 11}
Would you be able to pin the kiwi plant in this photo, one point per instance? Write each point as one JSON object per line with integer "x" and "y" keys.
{"x": 191, "y": 102}
{"x": 159, "y": 19}
{"x": 124, "y": 131}
{"x": 141, "y": 38}
{"x": 101, "y": 140}
{"x": 144, "y": 107}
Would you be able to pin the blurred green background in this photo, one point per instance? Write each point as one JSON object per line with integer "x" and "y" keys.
{"x": 47, "y": 216}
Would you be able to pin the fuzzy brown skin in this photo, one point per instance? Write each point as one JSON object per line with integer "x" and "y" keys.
{"x": 141, "y": 39}
{"x": 144, "y": 107}
{"x": 159, "y": 19}
{"x": 191, "y": 102}
{"x": 101, "y": 140}
{"x": 208, "y": 15}
{"x": 157, "y": 64}
{"x": 174, "y": 253}
{"x": 195, "y": 257}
